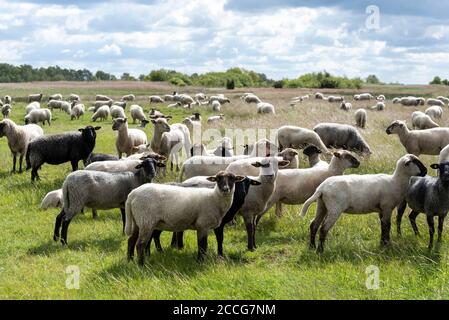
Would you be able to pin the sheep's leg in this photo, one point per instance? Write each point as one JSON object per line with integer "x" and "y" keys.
{"x": 385, "y": 224}
{"x": 249, "y": 230}
{"x": 177, "y": 240}
{"x": 401, "y": 209}
{"x": 132, "y": 240}
{"x": 440, "y": 226}
{"x": 123, "y": 213}
{"x": 64, "y": 229}
{"x": 177, "y": 161}
{"x": 94, "y": 214}
{"x": 157, "y": 241}
{"x": 256, "y": 221}
{"x": 34, "y": 174}
{"x": 328, "y": 223}
{"x": 431, "y": 230}
{"x": 219, "y": 236}
{"x": 278, "y": 209}
{"x": 58, "y": 225}
{"x": 142, "y": 241}
{"x": 74, "y": 165}
{"x": 319, "y": 217}
{"x": 412, "y": 217}
{"x": 202, "y": 244}
{"x": 14, "y": 160}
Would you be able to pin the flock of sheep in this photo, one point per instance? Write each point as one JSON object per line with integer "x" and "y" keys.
{"x": 215, "y": 185}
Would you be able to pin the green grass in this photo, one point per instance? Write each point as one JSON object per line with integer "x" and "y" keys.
{"x": 32, "y": 266}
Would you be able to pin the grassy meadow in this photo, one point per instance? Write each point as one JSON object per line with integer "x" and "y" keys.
{"x": 33, "y": 266}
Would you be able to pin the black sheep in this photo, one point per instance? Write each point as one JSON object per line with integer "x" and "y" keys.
{"x": 60, "y": 148}
{"x": 95, "y": 157}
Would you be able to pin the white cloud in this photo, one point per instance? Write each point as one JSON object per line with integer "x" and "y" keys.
{"x": 111, "y": 49}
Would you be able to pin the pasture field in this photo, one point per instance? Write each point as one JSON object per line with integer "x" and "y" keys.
{"x": 33, "y": 266}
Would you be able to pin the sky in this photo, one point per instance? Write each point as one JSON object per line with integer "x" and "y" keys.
{"x": 399, "y": 41}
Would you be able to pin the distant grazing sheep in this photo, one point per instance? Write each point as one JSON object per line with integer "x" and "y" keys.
{"x": 102, "y": 113}
{"x": 421, "y": 121}
{"x": 342, "y": 136}
{"x": 265, "y": 107}
{"x": 137, "y": 113}
{"x": 35, "y": 97}
{"x": 39, "y": 115}
{"x": 128, "y": 97}
{"x": 360, "y": 118}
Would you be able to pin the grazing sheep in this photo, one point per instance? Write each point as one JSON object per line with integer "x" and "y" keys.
{"x": 175, "y": 105}
{"x": 435, "y": 112}
{"x": 7, "y": 99}
{"x": 265, "y": 107}
{"x": 313, "y": 155}
{"x": 435, "y": 102}
{"x": 117, "y": 112}
{"x": 56, "y": 96}
{"x": 156, "y": 99}
{"x": 396, "y": 100}
{"x": 361, "y": 194}
{"x": 100, "y": 97}
{"x": 58, "y": 104}
{"x": 99, "y": 190}
{"x": 38, "y": 115}
{"x": 215, "y": 119}
{"x": 200, "y": 97}
{"x": 127, "y": 139}
{"x": 200, "y": 209}
{"x": 98, "y": 157}
{"x": 100, "y": 103}
{"x": 380, "y": 106}
{"x": 220, "y": 98}
{"x": 128, "y": 97}
{"x": 342, "y": 136}
{"x": 335, "y": 99}
{"x": 380, "y": 97}
{"x": 410, "y": 101}
{"x": 137, "y": 113}
{"x": 252, "y": 98}
{"x": 53, "y": 199}
{"x": 363, "y": 96}
{"x": 421, "y": 121}
{"x": 216, "y": 105}
{"x": 32, "y": 106}
{"x": 444, "y": 99}
{"x": 298, "y": 138}
{"x": 102, "y": 113}
{"x": 319, "y": 95}
{"x": 168, "y": 97}
{"x": 121, "y": 104}
{"x": 77, "y": 111}
{"x": 123, "y": 165}
{"x": 73, "y": 97}
{"x": 360, "y": 118}
{"x": 60, "y": 148}
{"x": 6, "y": 111}
{"x": 429, "y": 141}
{"x": 18, "y": 138}
{"x": 346, "y": 106}
{"x": 35, "y": 97}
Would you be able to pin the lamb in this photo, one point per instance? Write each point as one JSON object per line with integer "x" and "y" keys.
{"x": 56, "y": 96}
{"x": 58, "y": 104}
{"x": 18, "y": 138}
{"x": 380, "y": 106}
{"x": 99, "y": 190}
{"x": 117, "y": 112}
{"x": 335, "y": 99}
{"x": 265, "y": 107}
{"x": 73, "y": 97}
{"x": 102, "y": 113}
{"x": 435, "y": 112}
{"x": 360, "y": 118}
{"x": 252, "y": 98}
{"x": 121, "y": 104}
{"x": 77, "y": 111}
{"x": 6, "y": 110}
{"x": 215, "y": 119}
{"x": 435, "y": 102}
{"x": 342, "y": 136}
{"x": 429, "y": 141}
{"x": 297, "y": 138}
{"x": 7, "y": 99}
{"x": 216, "y": 105}
{"x": 313, "y": 155}
{"x": 319, "y": 95}
{"x": 420, "y": 121}
{"x": 128, "y": 97}
{"x": 240, "y": 192}
{"x": 32, "y": 106}
{"x": 200, "y": 209}
{"x": 100, "y": 103}
{"x": 346, "y": 106}
{"x": 137, "y": 113}
{"x": 429, "y": 195}
{"x": 361, "y": 194}
{"x": 39, "y": 115}
{"x": 99, "y": 157}
{"x": 363, "y": 96}
{"x": 35, "y": 97}
{"x": 100, "y": 97}
{"x": 60, "y": 148}
{"x": 127, "y": 139}
{"x": 53, "y": 199}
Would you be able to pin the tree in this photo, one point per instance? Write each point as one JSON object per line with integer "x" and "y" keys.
{"x": 436, "y": 80}
{"x": 230, "y": 84}
{"x": 372, "y": 79}
{"x": 127, "y": 77}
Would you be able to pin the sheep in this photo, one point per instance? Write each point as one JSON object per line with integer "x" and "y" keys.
{"x": 73, "y": 97}
{"x": 215, "y": 119}
{"x": 257, "y": 198}
{"x": 429, "y": 195}
{"x": 56, "y": 96}
{"x": 380, "y": 97}
{"x": 128, "y": 97}
{"x": 251, "y": 98}
{"x": 6, "y": 110}
{"x": 360, "y": 118}
{"x": 435, "y": 102}
{"x": 175, "y": 105}
{"x": 196, "y": 117}
{"x": 121, "y": 104}
{"x": 154, "y": 114}
{"x": 99, "y": 190}
{"x": 35, "y": 97}
{"x": 346, "y": 106}
{"x": 100, "y": 103}
{"x": 32, "y": 106}
{"x": 444, "y": 155}
{"x": 265, "y": 107}
{"x": 117, "y": 112}
{"x": 420, "y": 121}
{"x": 216, "y": 105}
{"x": 200, "y": 97}
{"x": 396, "y": 100}
{"x": 380, "y": 106}
{"x": 313, "y": 155}
{"x": 410, "y": 101}
{"x": 444, "y": 99}
{"x": 60, "y": 148}
{"x": 335, "y": 99}
{"x": 100, "y": 97}
{"x": 434, "y": 112}
{"x": 137, "y": 113}
{"x": 342, "y": 136}
{"x": 18, "y": 139}
{"x": 156, "y": 99}
{"x": 123, "y": 165}
{"x": 297, "y": 138}
{"x": 319, "y": 96}
{"x": 361, "y": 194}
{"x": 127, "y": 139}
{"x": 7, "y": 99}
{"x": 98, "y": 157}
{"x": 184, "y": 99}
{"x": 363, "y": 96}
{"x": 58, "y": 104}
{"x": 200, "y": 209}
{"x": 168, "y": 97}
{"x": 417, "y": 142}
{"x": 220, "y": 98}
{"x": 77, "y": 111}
{"x": 240, "y": 191}
{"x": 39, "y": 115}
{"x": 291, "y": 155}
{"x": 53, "y": 199}
{"x": 102, "y": 113}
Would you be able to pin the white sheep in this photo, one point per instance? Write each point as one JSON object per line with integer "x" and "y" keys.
{"x": 361, "y": 194}
{"x": 444, "y": 99}
{"x": 436, "y": 112}
{"x": 265, "y": 107}
{"x": 380, "y": 106}
{"x": 102, "y": 113}
{"x": 335, "y": 99}
{"x": 435, "y": 102}
{"x": 101, "y": 97}
{"x": 32, "y": 106}
{"x": 346, "y": 106}
{"x": 380, "y": 97}
{"x": 6, "y": 110}
{"x": 56, "y": 96}
{"x": 319, "y": 96}
{"x": 77, "y": 110}
{"x": 297, "y": 137}
{"x": 421, "y": 121}
{"x": 100, "y": 103}
{"x": 216, "y": 105}
{"x": 156, "y": 99}
{"x": 73, "y": 97}
{"x": 200, "y": 96}
{"x": 117, "y": 112}
{"x": 128, "y": 97}
{"x": 363, "y": 96}
{"x": 53, "y": 199}
{"x": 360, "y": 118}
{"x": 59, "y": 104}
{"x": 215, "y": 119}
{"x": 39, "y": 115}
{"x": 137, "y": 113}
{"x": 127, "y": 138}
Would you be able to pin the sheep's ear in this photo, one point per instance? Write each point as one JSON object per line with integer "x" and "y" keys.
{"x": 256, "y": 164}
{"x": 337, "y": 154}
{"x": 319, "y": 151}
{"x": 239, "y": 178}
{"x": 97, "y": 128}
{"x": 294, "y": 152}
{"x": 126, "y": 119}
{"x": 212, "y": 179}
{"x": 283, "y": 163}
{"x": 168, "y": 117}
{"x": 435, "y": 166}
{"x": 80, "y": 130}
{"x": 254, "y": 182}
{"x": 138, "y": 166}
{"x": 160, "y": 164}
{"x": 153, "y": 121}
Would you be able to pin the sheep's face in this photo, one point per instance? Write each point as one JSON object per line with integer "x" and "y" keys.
{"x": 288, "y": 154}
{"x": 395, "y": 127}
{"x": 89, "y": 133}
{"x": 118, "y": 123}
{"x": 226, "y": 182}
{"x": 269, "y": 166}
{"x": 148, "y": 166}
{"x": 161, "y": 124}
{"x": 443, "y": 170}
{"x": 348, "y": 159}
{"x": 412, "y": 165}
{"x": 311, "y": 150}
{"x": 3, "y": 128}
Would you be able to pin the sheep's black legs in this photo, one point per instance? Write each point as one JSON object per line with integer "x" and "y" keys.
{"x": 157, "y": 241}
{"x": 74, "y": 165}
{"x": 95, "y": 215}
{"x": 249, "y": 232}
{"x": 20, "y": 163}
{"x": 412, "y": 218}
{"x": 385, "y": 225}
{"x": 177, "y": 240}
{"x": 58, "y": 225}
{"x": 123, "y": 213}
{"x": 14, "y": 160}
{"x": 219, "y": 236}
{"x": 132, "y": 240}
{"x": 202, "y": 244}
{"x": 256, "y": 221}
{"x": 65, "y": 227}
{"x": 142, "y": 242}
{"x": 328, "y": 223}
{"x": 431, "y": 230}
{"x": 401, "y": 209}
{"x": 440, "y": 226}
{"x": 34, "y": 174}
{"x": 319, "y": 217}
